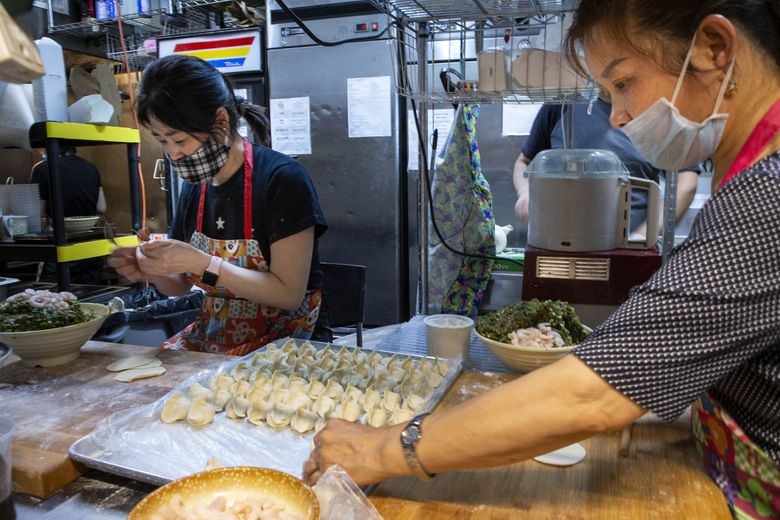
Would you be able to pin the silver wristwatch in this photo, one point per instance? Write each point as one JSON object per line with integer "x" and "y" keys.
{"x": 410, "y": 436}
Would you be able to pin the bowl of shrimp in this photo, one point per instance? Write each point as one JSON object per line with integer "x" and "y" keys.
{"x": 46, "y": 328}
{"x": 530, "y": 335}
{"x": 525, "y": 355}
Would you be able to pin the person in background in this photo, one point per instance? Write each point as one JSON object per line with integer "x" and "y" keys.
{"x": 593, "y": 130}
{"x": 82, "y": 195}
{"x": 247, "y": 220}
{"x": 688, "y": 80}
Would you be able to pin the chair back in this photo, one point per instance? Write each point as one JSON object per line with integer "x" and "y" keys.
{"x": 344, "y": 294}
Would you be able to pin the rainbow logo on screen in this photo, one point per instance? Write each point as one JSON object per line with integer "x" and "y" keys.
{"x": 229, "y": 52}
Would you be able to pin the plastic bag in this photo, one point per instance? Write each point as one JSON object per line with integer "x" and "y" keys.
{"x": 341, "y": 499}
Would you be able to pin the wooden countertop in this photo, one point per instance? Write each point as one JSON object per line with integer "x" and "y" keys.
{"x": 660, "y": 478}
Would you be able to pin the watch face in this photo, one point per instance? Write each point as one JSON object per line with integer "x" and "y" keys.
{"x": 410, "y": 435}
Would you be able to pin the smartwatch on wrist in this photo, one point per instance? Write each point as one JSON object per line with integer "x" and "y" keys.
{"x": 211, "y": 275}
{"x": 410, "y": 436}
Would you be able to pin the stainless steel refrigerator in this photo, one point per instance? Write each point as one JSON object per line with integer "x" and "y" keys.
{"x": 360, "y": 181}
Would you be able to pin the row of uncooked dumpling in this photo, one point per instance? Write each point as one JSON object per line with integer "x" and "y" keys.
{"x": 291, "y": 404}
{"x": 354, "y": 367}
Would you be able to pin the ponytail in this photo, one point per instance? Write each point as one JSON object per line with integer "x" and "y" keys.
{"x": 257, "y": 119}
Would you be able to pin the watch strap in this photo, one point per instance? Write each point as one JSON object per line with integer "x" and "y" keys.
{"x": 410, "y": 447}
{"x": 211, "y": 275}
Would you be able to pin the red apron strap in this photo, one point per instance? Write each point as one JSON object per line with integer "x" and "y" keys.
{"x": 201, "y": 204}
{"x": 248, "y": 167}
{"x": 764, "y": 131}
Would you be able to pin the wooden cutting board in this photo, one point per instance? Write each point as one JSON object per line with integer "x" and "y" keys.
{"x": 53, "y": 407}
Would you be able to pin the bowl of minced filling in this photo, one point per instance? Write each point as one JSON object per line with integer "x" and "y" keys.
{"x": 231, "y": 493}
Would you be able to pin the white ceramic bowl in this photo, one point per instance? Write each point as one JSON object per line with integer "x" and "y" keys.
{"x": 76, "y": 224}
{"x": 52, "y": 347}
{"x": 525, "y": 359}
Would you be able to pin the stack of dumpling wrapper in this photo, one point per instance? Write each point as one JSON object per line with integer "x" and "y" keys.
{"x": 302, "y": 387}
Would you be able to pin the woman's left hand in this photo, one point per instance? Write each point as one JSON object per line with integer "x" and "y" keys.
{"x": 168, "y": 257}
{"x": 368, "y": 454}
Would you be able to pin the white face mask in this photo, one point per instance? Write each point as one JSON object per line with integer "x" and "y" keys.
{"x": 670, "y": 141}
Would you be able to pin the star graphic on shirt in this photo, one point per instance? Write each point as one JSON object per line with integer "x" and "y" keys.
{"x": 220, "y": 223}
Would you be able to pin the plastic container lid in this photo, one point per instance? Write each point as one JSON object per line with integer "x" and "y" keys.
{"x": 575, "y": 164}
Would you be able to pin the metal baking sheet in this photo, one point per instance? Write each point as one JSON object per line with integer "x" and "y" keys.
{"x": 135, "y": 444}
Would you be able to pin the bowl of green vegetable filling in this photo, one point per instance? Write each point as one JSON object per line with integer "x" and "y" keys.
{"x": 531, "y": 334}
{"x": 48, "y": 329}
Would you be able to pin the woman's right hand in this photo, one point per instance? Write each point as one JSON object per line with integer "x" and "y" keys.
{"x": 123, "y": 259}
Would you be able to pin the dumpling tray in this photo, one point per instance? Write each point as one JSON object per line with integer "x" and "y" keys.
{"x": 263, "y": 410}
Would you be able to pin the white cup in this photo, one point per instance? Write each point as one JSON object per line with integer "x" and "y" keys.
{"x": 11, "y": 225}
{"x": 448, "y": 335}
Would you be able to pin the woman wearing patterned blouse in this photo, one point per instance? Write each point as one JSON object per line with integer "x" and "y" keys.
{"x": 687, "y": 80}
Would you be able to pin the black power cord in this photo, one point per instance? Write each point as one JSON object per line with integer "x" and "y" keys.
{"x": 295, "y": 18}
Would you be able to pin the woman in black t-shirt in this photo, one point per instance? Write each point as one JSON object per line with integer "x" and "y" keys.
{"x": 248, "y": 218}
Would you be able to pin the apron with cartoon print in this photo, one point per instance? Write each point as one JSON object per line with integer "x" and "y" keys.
{"x": 748, "y": 477}
{"x": 236, "y": 326}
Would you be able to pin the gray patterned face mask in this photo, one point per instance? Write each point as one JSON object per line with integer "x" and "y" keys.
{"x": 202, "y": 165}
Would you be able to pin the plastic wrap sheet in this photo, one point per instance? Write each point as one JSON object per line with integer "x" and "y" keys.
{"x": 137, "y": 444}
{"x": 341, "y": 499}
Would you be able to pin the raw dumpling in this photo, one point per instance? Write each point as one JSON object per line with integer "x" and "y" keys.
{"x": 378, "y": 418}
{"x": 289, "y": 346}
{"x": 241, "y": 371}
{"x": 315, "y": 388}
{"x": 434, "y": 380}
{"x": 416, "y": 377}
{"x": 350, "y": 392}
{"x": 175, "y": 408}
{"x": 279, "y": 417}
{"x": 221, "y": 399}
{"x": 408, "y": 364}
{"x": 296, "y": 383}
{"x": 201, "y": 412}
{"x": 364, "y": 370}
{"x": 324, "y": 406}
{"x": 349, "y": 411}
{"x": 298, "y": 399}
{"x": 258, "y": 410}
{"x": 242, "y": 387}
{"x": 442, "y": 367}
{"x": 370, "y": 399}
{"x": 222, "y": 381}
{"x": 198, "y": 390}
{"x": 414, "y": 402}
{"x": 333, "y": 389}
{"x": 390, "y": 400}
{"x": 303, "y": 420}
{"x": 237, "y": 407}
{"x": 397, "y": 373}
{"x": 401, "y": 415}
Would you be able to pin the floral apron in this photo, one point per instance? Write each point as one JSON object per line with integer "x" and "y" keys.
{"x": 748, "y": 477}
{"x": 236, "y": 326}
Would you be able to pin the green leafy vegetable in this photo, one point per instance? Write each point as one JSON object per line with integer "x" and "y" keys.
{"x": 20, "y": 316}
{"x": 560, "y": 315}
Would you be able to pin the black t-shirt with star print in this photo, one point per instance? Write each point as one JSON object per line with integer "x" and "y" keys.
{"x": 284, "y": 203}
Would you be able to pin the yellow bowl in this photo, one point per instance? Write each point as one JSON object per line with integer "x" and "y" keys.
{"x": 52, "y": 347}
{"x": 525, "y": 359}
{"x": 241, "y": 483}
